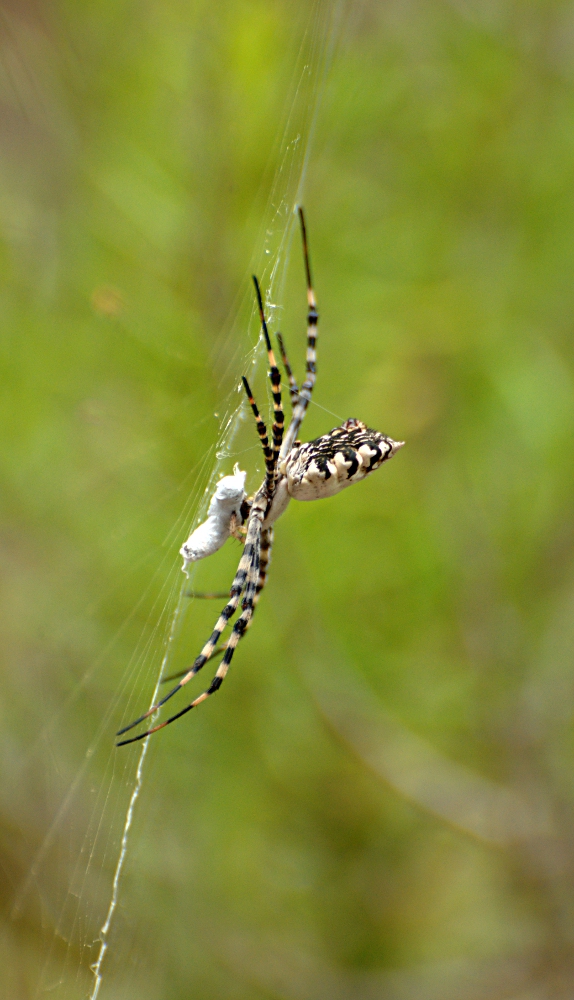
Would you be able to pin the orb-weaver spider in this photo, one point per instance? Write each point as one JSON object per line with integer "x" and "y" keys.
{"x": 294, "y": 471}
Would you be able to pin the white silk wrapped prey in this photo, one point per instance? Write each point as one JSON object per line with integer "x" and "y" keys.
{"x": 224, "y": 512}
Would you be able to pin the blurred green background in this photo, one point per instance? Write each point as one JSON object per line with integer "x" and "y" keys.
{"x": 379, "y": 802}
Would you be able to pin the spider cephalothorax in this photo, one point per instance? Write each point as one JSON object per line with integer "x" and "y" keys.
{"x": 294, "y": 471}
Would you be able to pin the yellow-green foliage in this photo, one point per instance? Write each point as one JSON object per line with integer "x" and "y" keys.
{"x": 378, "y": 802}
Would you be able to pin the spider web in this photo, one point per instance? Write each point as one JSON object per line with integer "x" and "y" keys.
{"x": 74, "y": 885}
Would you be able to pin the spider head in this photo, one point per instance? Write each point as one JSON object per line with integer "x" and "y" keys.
{"x": 344, "y": 456}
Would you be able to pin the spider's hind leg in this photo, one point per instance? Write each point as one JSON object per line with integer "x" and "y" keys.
{"x": 306, "y": 389}
{"x": 262, "y": 431}
{"x": 275, "y": 377}
{"x": 293, "y": 387}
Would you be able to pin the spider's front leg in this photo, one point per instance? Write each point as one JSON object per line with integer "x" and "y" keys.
{"x": 264, "y": 560}
{"x": 227, "y": 508}
{"x": 252, "y": 590}
{"x": 238, "y": 522}
{"x": 246, "y": 578}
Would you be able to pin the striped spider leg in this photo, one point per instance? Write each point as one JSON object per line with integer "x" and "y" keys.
{"x": 293, "y": 471}
{"x": 264, "y": 560}
{"x": 305, "y": 392}
{"x": 252, "y": 570}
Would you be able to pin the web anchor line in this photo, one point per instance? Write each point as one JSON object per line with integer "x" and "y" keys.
{"x": 96, "y": 966}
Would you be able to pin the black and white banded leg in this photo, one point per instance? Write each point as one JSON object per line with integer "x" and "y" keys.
{"x": 246, "y": 578}
{"x": 306, "y": 390}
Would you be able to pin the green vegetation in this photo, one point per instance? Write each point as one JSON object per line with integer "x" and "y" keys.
{"x": 379, "y": 801}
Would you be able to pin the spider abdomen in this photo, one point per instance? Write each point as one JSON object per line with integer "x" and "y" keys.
{"x": 347, "y": 454}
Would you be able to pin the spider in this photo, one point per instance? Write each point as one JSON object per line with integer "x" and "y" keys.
{"x": 294, "y": 471}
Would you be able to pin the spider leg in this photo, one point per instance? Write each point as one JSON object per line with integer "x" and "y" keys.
{"x": 278, "y": 418}
{"x": 248, "y": 572}
{"x": 264, "y": 559}
{"x": 312, "y": 320}
{"x": 265, "y": 547}
{"x": 293, "y": 387}
{"x": 239, "y": 629}
{"x": 262, "y": 431}
{"x": 243, "y": 570}
{"x": 180, "y": 673}
{"x": 243, "y": 622}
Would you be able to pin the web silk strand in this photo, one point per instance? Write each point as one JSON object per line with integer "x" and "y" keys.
{"x": 104, "y": 929}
